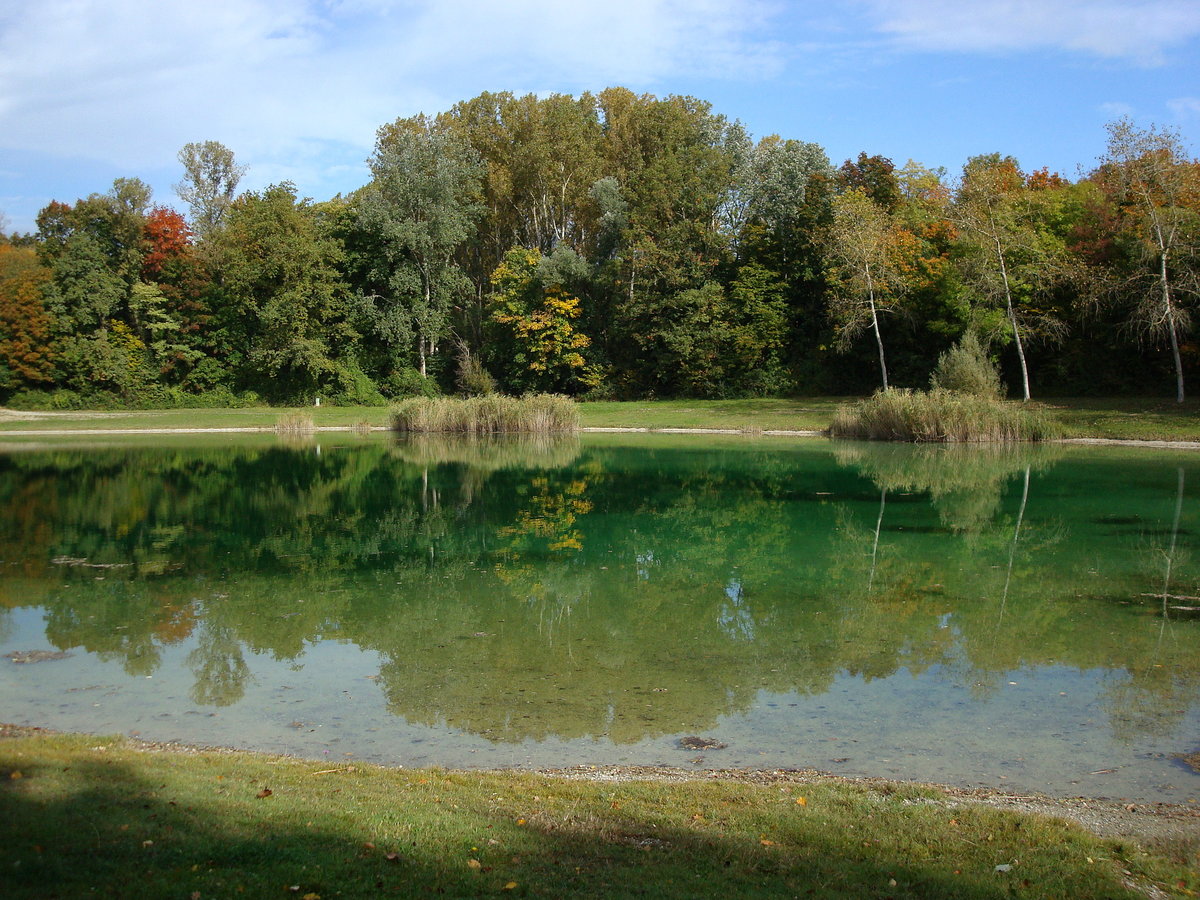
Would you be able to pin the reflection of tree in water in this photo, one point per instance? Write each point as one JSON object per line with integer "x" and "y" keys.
{"x": 965, "y": 483}
{"x": 1153, "y": 699}
{"x": 219, "y": 666}
{"x": 629, "y": 593}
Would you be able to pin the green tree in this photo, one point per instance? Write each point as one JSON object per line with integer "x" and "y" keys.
{"x": 418, "y": 211}
{"x": 94, "y": 253}
{"x": 284, "y": 308}
{"x": 210, "y": 180}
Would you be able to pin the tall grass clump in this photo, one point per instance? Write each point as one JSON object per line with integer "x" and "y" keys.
{"x": 487, "y": 414}
{"x": 967, "y": 369}
{"x": 940, "y": 416}
{"x": 295, "y": 424}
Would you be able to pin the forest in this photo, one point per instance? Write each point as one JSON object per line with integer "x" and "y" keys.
{"x": 609, "y": 245}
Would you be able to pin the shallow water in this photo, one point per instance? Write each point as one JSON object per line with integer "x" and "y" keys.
{"x": 1015, "y": 617}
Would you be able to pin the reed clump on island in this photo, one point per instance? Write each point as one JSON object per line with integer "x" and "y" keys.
{"x": 488, "y": 414}
{"x": 941, "y": 416}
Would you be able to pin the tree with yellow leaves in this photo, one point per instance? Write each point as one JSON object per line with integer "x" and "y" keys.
{"x": 537, "y": 346}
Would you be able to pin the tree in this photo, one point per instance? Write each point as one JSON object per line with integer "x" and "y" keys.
{"x": 539, "y": 347}
{"x": 167, "y": 305}
{"x": 1010, "y": 256}
{"x": 874, "y": 176}
{"x": 26, "y": 351}
{"x": 284, "y": 310}
{"x": 1157, "y": 187}
{"x": 210, "y": 180}
{"x": 862, "y": 242}
{"x": 419, "y": 209}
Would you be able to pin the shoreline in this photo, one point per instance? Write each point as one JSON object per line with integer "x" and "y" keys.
{"x": 1103, "y": 816}
{"x": 589, "y": 429}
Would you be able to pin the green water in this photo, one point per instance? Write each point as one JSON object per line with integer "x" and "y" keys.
{"x": 1012, "y": 617}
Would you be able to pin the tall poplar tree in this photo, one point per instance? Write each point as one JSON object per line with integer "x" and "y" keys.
{"x": 210, "y": 180}
{"x": 419, "y": 209}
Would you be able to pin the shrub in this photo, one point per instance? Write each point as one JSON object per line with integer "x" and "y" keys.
{"x": 473, "y": 379}
{"x": 966, "y": 369}
{"x": 940, "y": 415}
{"x": 489, "y": 414}
{"x": 407, "y": 382}
{"x": 355, "y": 388}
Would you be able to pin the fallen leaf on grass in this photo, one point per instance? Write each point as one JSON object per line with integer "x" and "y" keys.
{"x": 265, "y": 792}
{"x": 767, "y": 843}
{"x": 474, "y": 864}
{"x": 802, "y": 801}
{"x": 510, "y": 885}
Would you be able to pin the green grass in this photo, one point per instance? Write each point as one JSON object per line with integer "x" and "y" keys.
{"x": 263, "y": 417}
{"x": 90, "y": 816}
{"x": 1126, "y": 418}
{"x": 940, "y": 416}
{"x": 1136, "y": 419}
{"x": 806, "y": 414}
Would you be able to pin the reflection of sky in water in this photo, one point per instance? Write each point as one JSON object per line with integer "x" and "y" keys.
{"x": 988, "y": 625}
{"x": 735, "y": 621}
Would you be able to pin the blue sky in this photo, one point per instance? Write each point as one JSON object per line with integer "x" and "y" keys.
{"x": 91, "y": 91}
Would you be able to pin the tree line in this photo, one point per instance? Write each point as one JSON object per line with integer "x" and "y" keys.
{"x": 607, "y": 245}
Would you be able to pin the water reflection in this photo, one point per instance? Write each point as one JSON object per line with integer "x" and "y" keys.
{"x": 612, "y": 590}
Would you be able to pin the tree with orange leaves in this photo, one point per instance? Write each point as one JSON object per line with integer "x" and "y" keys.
{"x": 26, "y": 349}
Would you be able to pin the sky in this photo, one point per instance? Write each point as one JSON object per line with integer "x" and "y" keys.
{"x": 92, "y": 90}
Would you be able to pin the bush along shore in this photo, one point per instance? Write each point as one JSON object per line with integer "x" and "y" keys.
{"x": 488, "y": 414}
{"x": 943, "y": 416}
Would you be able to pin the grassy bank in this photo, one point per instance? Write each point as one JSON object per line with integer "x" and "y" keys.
{"x": 1128, "y": 419}
{"x": 95, "y": 816}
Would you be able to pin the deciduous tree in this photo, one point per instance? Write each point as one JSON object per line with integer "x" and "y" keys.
{"x": 419, "y": 209}
{"x": 1157, "y": 187}
{"x": 210, "y": 180}
{"x": 862, "y": 242}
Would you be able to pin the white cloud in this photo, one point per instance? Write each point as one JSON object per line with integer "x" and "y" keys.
{"x": 1185, "y": 107}
{"x": 1138, "y": 30}
{"x": 297, "y": 88}
{"x": 124, "y": 79}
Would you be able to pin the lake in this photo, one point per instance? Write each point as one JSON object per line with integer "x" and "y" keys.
{"x": 1022, "y": 618}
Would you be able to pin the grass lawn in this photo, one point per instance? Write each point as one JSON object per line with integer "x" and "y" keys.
{"x": 1126, "y": 418}
{"x": 89, "y": 816}
{"x": 1137, "y": 419}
